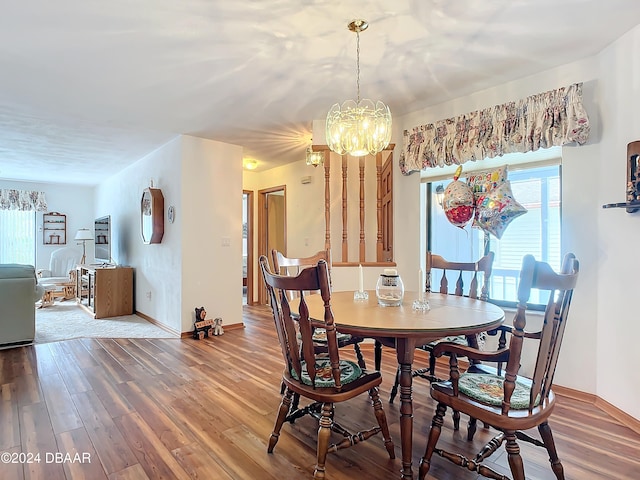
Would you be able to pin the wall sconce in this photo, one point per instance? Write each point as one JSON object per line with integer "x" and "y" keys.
{"x": 439, "y": 194}
{"x": 314, "y": 158}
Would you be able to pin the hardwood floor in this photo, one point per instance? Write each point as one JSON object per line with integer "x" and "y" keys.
{"x": 174, "y": 409}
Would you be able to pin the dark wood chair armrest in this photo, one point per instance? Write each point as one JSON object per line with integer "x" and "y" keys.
{"x": 501, "y": 355}
{"x": 509, "y": 329}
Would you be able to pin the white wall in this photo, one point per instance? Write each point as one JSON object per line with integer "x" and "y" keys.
{"x": 211, "y": 216}
{"x": 157, "y": 267}
{"x": 76, "y": 202}
{"x": 202, "y": 179}
{"x": 305, "y": 214}
{"x": 616, "y": 238}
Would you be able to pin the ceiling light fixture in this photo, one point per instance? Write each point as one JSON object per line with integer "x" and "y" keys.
{"x": 250, "y": 164}
{"x": 359, "y": 127}
{"x": 314, "y": 158}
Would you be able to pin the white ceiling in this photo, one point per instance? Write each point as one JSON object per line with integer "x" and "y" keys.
{"x": 87, "y": 88}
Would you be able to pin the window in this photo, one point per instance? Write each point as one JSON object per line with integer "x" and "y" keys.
{"x": 537, "y": 232}
{"x": 18, "y": 237}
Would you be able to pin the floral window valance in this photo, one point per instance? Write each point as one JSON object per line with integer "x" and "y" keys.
{"x": 552, "y": 118}
{"x": 22, "y": 200}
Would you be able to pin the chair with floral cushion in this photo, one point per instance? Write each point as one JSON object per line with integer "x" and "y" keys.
{"x": 323, "y": 379}
{"x": 510, "y": 403}
{"x": 292, "y": 266}
{"x": 452, "y": 278}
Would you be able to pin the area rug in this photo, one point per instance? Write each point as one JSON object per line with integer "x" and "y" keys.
{"x": 65, "y": 320}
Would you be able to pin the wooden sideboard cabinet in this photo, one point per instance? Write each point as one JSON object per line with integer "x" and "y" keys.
{"x": 105, "y": 291}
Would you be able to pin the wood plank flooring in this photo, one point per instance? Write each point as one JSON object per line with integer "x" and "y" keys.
{"x": 179, "y": 409}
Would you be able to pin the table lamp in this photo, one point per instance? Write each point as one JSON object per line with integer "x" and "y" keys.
{"x": 83, "y": 235}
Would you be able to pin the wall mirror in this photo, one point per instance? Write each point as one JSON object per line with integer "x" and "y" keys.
{"x": 152, "y": 215}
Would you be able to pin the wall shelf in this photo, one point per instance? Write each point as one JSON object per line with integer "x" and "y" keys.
{"x": 54, "y": 228}
{"x": 633, "y": 180}
{"x": 631, "y": 207}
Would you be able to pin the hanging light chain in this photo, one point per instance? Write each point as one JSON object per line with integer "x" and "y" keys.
{"x": 358, "y": 26}
{"x": 358, "y": 64}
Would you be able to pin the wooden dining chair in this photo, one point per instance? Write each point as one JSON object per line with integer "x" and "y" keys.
{"x": 452, "y": 279}
{"x": 284, "y": 265}
{"x": 324, "y": 380}
{"x": 293, "y": 266}
{"x": 510, "y": 403}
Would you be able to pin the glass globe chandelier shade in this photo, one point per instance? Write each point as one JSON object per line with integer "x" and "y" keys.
{"x": 359, "y": 127}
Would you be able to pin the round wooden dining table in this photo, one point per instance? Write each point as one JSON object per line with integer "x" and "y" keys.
{"x": 403, "y": 328}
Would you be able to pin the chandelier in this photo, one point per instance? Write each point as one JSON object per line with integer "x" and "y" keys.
{"x": 359, "y": 127}
{"x": 314, "y": 158}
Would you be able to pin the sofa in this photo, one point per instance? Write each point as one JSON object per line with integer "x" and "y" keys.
{"x": 19, "y": 290}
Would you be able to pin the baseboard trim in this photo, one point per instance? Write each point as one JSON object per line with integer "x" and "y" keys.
{"x": 188, "y": 334}
{"x": 234, "y": 326}
{"x": 623, "y": 417}
{"x": 21, "y": 343}
{"x": 158, "y": 324}
{"x": 574, "y": 394}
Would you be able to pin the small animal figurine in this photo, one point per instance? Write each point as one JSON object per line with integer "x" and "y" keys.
{"x": 217, "y": 326}
{"x": 201, "y": 327}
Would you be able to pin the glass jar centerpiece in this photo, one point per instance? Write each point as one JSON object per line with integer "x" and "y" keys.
{"x": 390, "y": 289}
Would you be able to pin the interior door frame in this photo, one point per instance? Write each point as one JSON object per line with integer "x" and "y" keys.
{"x": 387, "y": 210}
{"x": 262, "y": 231}
{"x": 250, "y": 261}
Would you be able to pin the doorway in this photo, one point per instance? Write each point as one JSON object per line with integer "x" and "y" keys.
{"x": 272, "y": 226}
{"x": 247, "y": 247}
{"x": 386, "y": 187}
